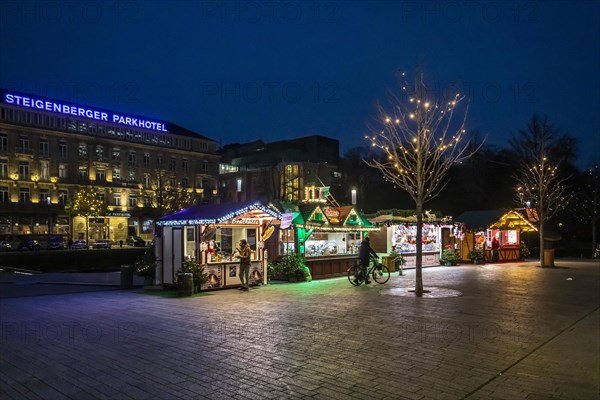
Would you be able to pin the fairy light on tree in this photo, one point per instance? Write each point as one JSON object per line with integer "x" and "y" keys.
{"x": 421, "y": 140}
{"x": 588, "y": 205}
{"x": 537, "y": 180}
{"x": 86, "y": 204}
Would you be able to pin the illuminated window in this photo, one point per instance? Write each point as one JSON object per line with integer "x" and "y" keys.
{"x": 116, "y": 176}
{"x": 3, "y": 168}
{"x": 4, "y": 194}
{"x": 100, "y": 175}
{"x": 99, "y": 152}
{"x": 116, "y": 154}
{"x": 63, "y": 197}
{"x": 147, "y": 179}
{"x": 44, "y": 196}
{"x": 117, "y": 199}
{"x": 83, "y": 172}
{"x": 82, "y": 150}
{"x": 132, "y": 201}
{"x": 23, "y": 169}
{"x": 24, "y": 195}
{"x": 131, "y": 176}
{"x": 62, "y": 170}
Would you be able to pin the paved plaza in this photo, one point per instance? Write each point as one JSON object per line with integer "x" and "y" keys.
{"x": 514, "y": 331}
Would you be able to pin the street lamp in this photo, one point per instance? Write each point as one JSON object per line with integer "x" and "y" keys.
{"x": 353, "y": 197}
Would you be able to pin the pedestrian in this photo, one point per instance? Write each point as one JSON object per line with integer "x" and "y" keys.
{"x": 121, "y": 243}
{"x": 364, "y": 255}
{"x": 244, "y": 252}
{"x": 495, "y": 249}
{"x": 70, "y": 242}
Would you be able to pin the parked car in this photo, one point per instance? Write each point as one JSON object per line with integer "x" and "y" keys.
{"x": 29, "y": 244}
{"x": 102, "y": 244}
{"x": 79, "y": 244}
{"x": 56, "y": 243}
{"x": 5, "y": 246}
{"x": 135, "y": 241}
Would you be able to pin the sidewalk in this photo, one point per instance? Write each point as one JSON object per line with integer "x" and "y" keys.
{"x": 517, "y": 332}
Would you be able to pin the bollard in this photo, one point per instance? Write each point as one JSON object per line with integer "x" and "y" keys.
{"x": 185, "y": 284}
{"x": 126, "y": 276}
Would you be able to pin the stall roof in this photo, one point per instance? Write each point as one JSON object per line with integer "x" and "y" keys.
{"x": 215, "y": 213}
{"x": 340, "y": 221}
{"x": 496, "y": 219}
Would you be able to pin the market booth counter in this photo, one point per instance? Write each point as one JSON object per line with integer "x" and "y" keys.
{"x": 481, "y": 227}
{"x": 211, "y": 235}
{"x": 328, "y": 237}
{"x": 398, "y": 233}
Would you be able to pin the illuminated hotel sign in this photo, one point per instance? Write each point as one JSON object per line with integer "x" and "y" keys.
{"x": 43, "y": 104}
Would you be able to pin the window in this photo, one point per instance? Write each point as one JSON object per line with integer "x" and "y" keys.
{"x": 83, "y": 172}
{"x": 117, "y": 199}
{"x": 4, "y": 194}
{"x": 184, "y": 183}
{"x": 24, "y": 195}
{"x": 147, "y": 201}
{"x": 147, "y": 179}
{"x": 100, "y": 197}
{"x": 23, "y": 170}
{"x": 159, "y": 162}
{"x": 3, "y": 142}
{"x": 82, "y": 150}
{"x": 131, "y": 176}
{"x": 173, "y": 182}
{"x": 172, "y": 164}
{"x": 62, "y": 149}
{"x": 23, "y": 144}
{"x": 116, "y": 154}
{"x": 100, "y": 175}
{"x": 44, "y": 148}
{"x": 99, "y": 152}
{"x": 62, "y": 170}
{"x": 146, "y": 160}
{"x": 44, "y": 196}
{"x": 44, "y": 170}
{"x": 116, "y": 175}
{"x": 132, "y": 159}
{"x": 204, "y": 167}
{"x": 132, "y": 201}
{"x": 184, "y": 165}
{"x": 3, "y": 168}
{"x": 63, "y": 197}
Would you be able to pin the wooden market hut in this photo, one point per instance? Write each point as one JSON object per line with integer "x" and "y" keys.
{"x": 506, "y": 225}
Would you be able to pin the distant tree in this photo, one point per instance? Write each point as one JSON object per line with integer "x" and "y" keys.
{"x": 538, "y": 180}
{"x": 169, "y": 199}
{"x": 85, "y": 204}
{"x": 587, "y": 208}
{"x": 420, "y": 141}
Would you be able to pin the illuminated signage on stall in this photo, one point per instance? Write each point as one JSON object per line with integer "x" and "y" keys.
{"x": 43, "y": 104}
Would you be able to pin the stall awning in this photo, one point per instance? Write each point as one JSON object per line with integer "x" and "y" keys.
{"x": 216, "y": 213}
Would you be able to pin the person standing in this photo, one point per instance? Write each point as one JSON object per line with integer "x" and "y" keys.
{"x": 244, "y": 251}
{"x": 495, "y": 249}
{"x": 364, "y": 255}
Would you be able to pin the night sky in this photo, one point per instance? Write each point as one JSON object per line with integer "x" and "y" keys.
{"x": 239, "y": 71}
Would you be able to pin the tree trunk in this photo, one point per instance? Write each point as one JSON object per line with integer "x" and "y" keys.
{"x": 542, "y": 264}
{"x": 419, "y": 253}
{"x": 593, "y": 236}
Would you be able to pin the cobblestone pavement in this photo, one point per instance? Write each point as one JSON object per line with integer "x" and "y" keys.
{"x": 517, "y": 332}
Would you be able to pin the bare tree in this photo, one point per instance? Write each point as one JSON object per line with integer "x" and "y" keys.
{"x": 538, "y": 181}
{"x": 421, "y": 140}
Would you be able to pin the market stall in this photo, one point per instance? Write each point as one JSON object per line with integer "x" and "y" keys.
{"x": 507, "y": 227}
{"x": 211, "y": 235}
{"x": 398, "y": 232}
{"x": 328, "y": 236}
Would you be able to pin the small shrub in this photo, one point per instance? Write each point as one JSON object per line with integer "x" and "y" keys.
{"x": 597, "y": 252}
{"x": 524, "y": 250}
{"x": 290, "y": 267}
{"x": 449, "y": 256}
{"x": 477, "y": 256}
{"x": 145, "y": 265}
{"x": 190, "y": 265}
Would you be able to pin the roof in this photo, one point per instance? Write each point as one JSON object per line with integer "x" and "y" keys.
{"x": 497, "y": 219}
{"x": 215, "y": 213}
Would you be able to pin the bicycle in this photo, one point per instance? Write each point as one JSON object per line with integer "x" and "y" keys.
{"x": 378, "y": 271}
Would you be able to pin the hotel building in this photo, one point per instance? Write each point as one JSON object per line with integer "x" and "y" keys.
{"x": 50, "y": 150}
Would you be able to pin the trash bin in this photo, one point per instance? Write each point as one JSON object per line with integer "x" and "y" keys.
{"x": 548, "y": 257}
{"x": 126, "y": 276}
{"x": 185, "y": 284}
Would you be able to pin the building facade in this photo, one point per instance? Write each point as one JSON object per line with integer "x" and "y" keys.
{"x": 50, "y": 150}
{"x": 281, "y": 170}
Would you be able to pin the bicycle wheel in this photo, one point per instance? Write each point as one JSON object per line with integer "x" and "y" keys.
{"x": 355, "y": 275}
{"x": 380, "y": 273}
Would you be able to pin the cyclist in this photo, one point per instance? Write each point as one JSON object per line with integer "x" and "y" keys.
{"x": 364, "y": 255}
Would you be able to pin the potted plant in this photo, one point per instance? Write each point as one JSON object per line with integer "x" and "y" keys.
{"x": 291, "y": 267}
{"x": 146, "y": 266}
{"x": 449, "y": 256}
{"x": 477, "y": 256}
{"x": 397, "y": 259}
{"x": 199, "y": 275}
{"x": 523, "y": 251}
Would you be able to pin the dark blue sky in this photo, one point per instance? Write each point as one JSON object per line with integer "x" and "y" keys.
{"x": 237, "y": 71}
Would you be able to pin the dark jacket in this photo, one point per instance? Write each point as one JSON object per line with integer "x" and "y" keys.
{"x": 245, "y": 253}
{"x": 364, "y": 252}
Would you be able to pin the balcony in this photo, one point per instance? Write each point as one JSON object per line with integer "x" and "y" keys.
{"x": 24, "y": 150}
